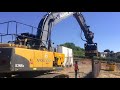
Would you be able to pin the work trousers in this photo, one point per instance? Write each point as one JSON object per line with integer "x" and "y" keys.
{"x": 75, "y": 73}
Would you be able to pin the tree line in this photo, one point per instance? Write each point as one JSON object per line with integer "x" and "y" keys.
{"x": 80, "y": 52}
{"x": 77, "y": 51}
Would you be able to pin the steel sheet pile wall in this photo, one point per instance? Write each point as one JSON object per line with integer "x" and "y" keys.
{"x": 96, "y": 68}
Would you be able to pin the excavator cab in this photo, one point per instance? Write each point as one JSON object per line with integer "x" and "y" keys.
{"x": 91, "y": 50}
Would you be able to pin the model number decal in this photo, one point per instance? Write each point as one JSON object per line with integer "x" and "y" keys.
{"x": 19, "y": 65}
{"x": 39, "y": 60}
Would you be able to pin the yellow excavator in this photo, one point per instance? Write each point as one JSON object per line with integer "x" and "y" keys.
{"x": 29, "y": 52}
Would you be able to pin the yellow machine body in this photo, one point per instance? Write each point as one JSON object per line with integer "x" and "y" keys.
{"x": 23, "y": 59}
{"x": 60, "y": 58}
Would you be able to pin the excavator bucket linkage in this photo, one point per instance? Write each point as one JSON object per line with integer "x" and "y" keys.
{"x": 91, "y": 50}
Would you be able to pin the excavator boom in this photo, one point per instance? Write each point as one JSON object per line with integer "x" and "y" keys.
{"x": 52, "y": 18}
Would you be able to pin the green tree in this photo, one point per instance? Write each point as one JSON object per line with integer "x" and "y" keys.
{"x": 77, "y": 51}
{"x": 109, "y": 53}
{"x": 107, "y": 50}
{"x": 69, "y": 45}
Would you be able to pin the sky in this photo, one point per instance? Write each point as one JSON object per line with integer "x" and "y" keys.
{"x": 105, "y": 25}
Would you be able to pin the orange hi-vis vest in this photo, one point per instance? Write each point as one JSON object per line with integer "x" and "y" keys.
{"x": 76, "y": 66}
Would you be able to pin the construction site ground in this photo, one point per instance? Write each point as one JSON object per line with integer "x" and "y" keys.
{"x": 105, "y": 73}
{"x": 85, "y": 69}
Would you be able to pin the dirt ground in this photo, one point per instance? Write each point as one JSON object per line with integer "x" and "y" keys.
{"x": 84, "y": 69}
{"x": 109, "y": 74}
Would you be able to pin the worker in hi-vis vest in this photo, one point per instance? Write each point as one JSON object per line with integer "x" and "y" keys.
{"x": 76, "y": 68}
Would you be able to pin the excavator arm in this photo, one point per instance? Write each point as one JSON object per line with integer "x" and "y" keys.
{"x": 52, "y": 18}
{"x": 45, "y": 25}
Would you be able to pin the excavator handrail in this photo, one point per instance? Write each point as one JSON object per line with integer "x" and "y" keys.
{"x": 19, "y": 23}
{"x": 17, "y": 34}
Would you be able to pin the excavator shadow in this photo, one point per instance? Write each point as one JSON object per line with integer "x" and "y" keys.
{"x": 89, "y": 75}
{"x": 24, "y": 74}
{"x": 41, "y": 75}
{"x": 62, "y": 76}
